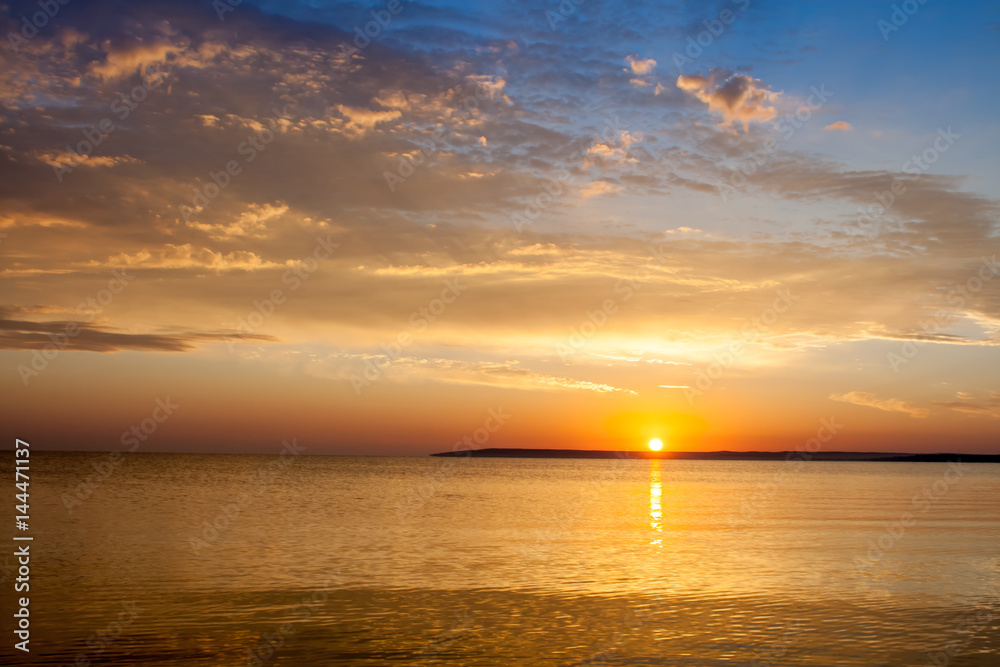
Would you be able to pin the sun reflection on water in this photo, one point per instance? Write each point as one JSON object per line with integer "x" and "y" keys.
{"x": 656, "y": 501}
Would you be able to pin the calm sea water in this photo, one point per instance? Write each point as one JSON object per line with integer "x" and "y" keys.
{"x": 242, "y": 560}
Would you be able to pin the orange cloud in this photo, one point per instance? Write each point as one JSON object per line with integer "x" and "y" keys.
{"x": 739, "y": 98}
{"x": 640, "y": 66}
{"x": 599, "y": 188}
{"x": 360, "y": 121}
{"x": 842, "y": 125}
{"x": 125, "y": 61}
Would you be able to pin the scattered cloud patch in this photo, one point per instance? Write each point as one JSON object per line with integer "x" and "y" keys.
{"x": 840, "y": 125}
{"x": 737, "y": 98}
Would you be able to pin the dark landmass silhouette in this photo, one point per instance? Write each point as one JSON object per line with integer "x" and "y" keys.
{"x": 496, "y": 452}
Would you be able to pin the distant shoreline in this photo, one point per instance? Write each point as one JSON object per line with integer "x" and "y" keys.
{"x": 889, "y": 457}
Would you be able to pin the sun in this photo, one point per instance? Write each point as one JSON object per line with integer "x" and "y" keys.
{"x": 655, "y": 445}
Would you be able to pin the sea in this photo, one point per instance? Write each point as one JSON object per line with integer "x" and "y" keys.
{"x": 184, "y": 559}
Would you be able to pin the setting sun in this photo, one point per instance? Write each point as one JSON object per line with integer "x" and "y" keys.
{"x": 655, "y": 445}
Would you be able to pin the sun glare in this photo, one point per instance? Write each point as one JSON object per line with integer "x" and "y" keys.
{"x": 655, "y": 445}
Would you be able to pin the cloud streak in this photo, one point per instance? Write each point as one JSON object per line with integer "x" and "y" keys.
{"x": 887, "y": 404}
{"x": 76, "y": 336}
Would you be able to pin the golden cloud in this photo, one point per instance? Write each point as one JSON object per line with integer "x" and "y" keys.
{"x": 739, "y": 98}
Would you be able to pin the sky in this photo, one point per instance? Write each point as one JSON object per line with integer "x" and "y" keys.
{"x": 397, "y": 228}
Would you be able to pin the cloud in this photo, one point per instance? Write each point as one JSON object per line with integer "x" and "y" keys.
{"x": 640, "y": 66}
{"x": 360, "y": 121}
{"x": 842, "y": 125}
{"x": 186, "y": 256}
{"x": 506, "y": 375}
{"x": 599, "y": 188}
{"x": 989, "y": 406}
{"x": 63, "y": 159}
{"x": 351, "y": 120}
{"x": 888, "y": 404}
{"x": 642, "y": 69}
{"x": 252, "y": 223}
{"x": 68, "y": 335}
{"x": 411, "y": 369}
{"x": 122, "y": 62}
{"x": 738, "y": 98}
{"x": 614, "y": 149}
